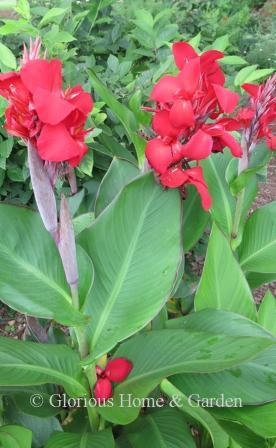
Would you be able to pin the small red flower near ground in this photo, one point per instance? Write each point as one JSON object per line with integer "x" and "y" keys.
{"x": 116, "y": 370}
{"x": 41, "y": 112}
{"x": 185, "y": 105}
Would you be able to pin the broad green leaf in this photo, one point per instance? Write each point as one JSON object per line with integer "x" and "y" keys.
{"x": 267, "y": 312}
{"x": 252, "y": 382}
{"x": 13, "y": 436}
{"x": 28, "y": 363}
{"x": 52, "y": 15}
{"x": 243, "y": 74}
{"x": 32, "y": 279}
{"x": 23, "y": 8}
{"x": 137, "y": 240}
{"x": 219, "y": 322}
{"x": 195, "y": 41}
{"x": 83, "y": 221}
{"x": 221, "y": 43}
{"x": 195, "y": 219}
{"x": 260, "y": 419}
{"x": 218, "y": 436}
{"x": 17, "y": 26}
{"x": 103, "y": 439}
{"x": 119, "y": 174}
{"x": 256, "y": 279}
{"x": 162, "y": 353}
{"x": 124, "y": 114}
{"x": 243, "y": 179}
{"x": 223, "y": 284}
{"x": 233, "y": 60}
{"x": 7, "y": 57}
{"x": 166, "y": 428}
{"x": 257, "y": 251}
{"x": 112, "y": 148}
{"x": 94, "y": 9}
{"x": 223, "y": 205}
{"x": 258, "y": 74}
{"x": 242, "y": 435}
{"x": 42, "y": 428}
{"x": 7, "y": 4}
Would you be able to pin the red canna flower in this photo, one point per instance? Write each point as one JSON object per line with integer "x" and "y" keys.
{"x": 185, "y": 105}
{"x": 41, "y": 112}
{"x": 116, "y": 370}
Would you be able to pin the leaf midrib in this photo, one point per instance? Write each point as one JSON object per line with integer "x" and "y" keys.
{"x": 37, "y": 274}
{"x": 121, "y": 275}
{"x": 254, "y": 254}
{"x": 47, "y": 371}
{"x": 226, "y": 206}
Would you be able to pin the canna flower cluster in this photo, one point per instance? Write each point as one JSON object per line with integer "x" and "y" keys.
{"x": 115, "y": 371}
{"x": 41, "y": 112}
{"x": 257, "y": 117}
{"x": 188, "y": 119}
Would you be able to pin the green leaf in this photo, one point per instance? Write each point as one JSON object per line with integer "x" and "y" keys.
{"x": 83, "y": 221}
{"x": 137, "y": 240}
{"x": 28, "y": 363}
{"x": 257, "y": 251}
{"x": 13, "y": 436}
{"x": 17, "y": 26}
{"x": 232, "y": 60}
{"x": 258, "y": 74}
{"x": 23, "y": 8}
{"x": 243, "y": 74}
{"x": 260, "y": 419}
{"x": 112, "y": 148}
{"x": 267, "y": 312}
{"x": 94, "y": 9}
{"x": 158, "y": 354}
{"x": 123, "y": 113}
{"x": 32, "y": 279}
{"x": 241, "y": 181}
{"x": 87, "y": 163}
{"x": 218, "y": 436}
{"x": 221, "y": 43}
{"x": 113, "y": 63}
{"x": 253, "y": 382}
{"x": 103, "y": 439}
{"x": 164, "y": 428}
{"x": 119, "y": 174}
{"x": 242, "y": 435}
{"x": 223, "y": 205}
{"x": 223, "y": 284}
{"x": 195, "y": 219}
{"x": 195, "y": 41}
{"x": 7, "y": 57}
{"x": 52, "y": 15}
{"x": 255, "y": 279}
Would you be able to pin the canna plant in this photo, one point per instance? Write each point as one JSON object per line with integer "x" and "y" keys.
{"x": 124, "y": 362}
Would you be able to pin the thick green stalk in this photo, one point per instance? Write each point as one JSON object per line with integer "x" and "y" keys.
{"x": 93, "y": 415}
{"x": 243, "y": 165}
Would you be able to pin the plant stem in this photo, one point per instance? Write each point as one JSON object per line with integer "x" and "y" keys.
{"x": 243, "y": 165}
{"x": 79, "y": 331}
{"x": 93, "y": 416}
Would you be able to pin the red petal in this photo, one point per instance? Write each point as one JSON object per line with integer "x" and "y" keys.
{"x": 42, "y": 73}
{"x": 271, "y": 141}
{"x": 198, "y": 147}
{"x": 173, "y": 178}
{"x": 227, "y": 99}
{"x": 51, "y": 108}
{"x": 118, "y": 369}
{"x": 229, "y": 141}
{"x": 196, "y": 178}
{"x": 215, "y": 74}
{"x": 190, "y": 75}
{"x": 6, "y": 81}
{"x": 252, "y": 89}
{"x": 209, "y": 56}
{"x": 182, "y": 52}
{"x": 83, "y": 101}
{"x": 182, "y": 114}
{"x": 165, "y": 89}
{"x": 103, "y": 389}
{"x": 162, "y": 126}
{"x": 159, "y": 155}
{"x": 55, "y": 144}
